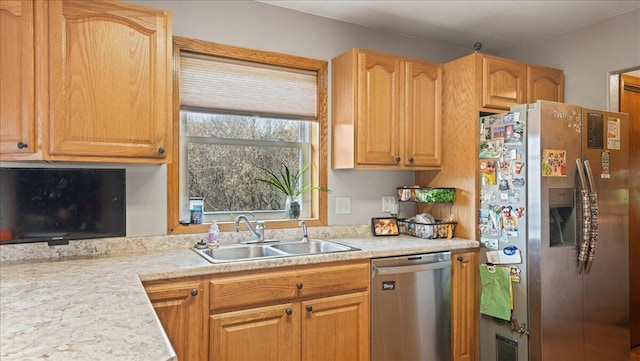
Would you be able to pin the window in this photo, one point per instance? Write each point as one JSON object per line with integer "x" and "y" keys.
{"x": 242, "y": 110}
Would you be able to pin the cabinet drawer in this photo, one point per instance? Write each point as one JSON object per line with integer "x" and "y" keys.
{"x": 280, "y": 285}
{"x": 334, "y": 279}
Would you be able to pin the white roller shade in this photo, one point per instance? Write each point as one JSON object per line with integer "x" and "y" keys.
{"x": 252, "y": 88}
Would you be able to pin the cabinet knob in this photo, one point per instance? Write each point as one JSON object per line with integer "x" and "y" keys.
{"x": 397, "y": 159}
{"x": 288, "y": 311}
{"x": 309, "y": 308}
{"x": 411, "y": 160}
{"x": 194, "y": 292}
{"x": 22, "y": 145}
{"x": 161, "y": 150}
{"x": 299, "y": 285}
{"x": 460, "y": 259}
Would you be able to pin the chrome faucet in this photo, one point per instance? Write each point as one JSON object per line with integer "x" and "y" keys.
{"x": 304, "y": 231}
{"x": 258, "y": 231}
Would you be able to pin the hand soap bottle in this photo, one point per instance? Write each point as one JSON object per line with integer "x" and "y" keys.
{"x": 213, "y": 237}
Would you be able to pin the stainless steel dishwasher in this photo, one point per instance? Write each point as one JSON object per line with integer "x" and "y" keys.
{"x": 411, "y": 308}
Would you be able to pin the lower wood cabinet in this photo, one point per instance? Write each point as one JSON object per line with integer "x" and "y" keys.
{"x": 301, "y": 313}
{"x": 465, "y": 309}
{"x": 336, "y": 328}
{"x": 310, "y": 313}
{"x": 181, "y": 306}
{"x": 331, "y": 328}
{"x": 259, "y": 333}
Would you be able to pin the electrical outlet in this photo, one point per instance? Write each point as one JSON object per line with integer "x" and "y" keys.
{"x": 387, "y": 203}
{"x": 343, "y": 205}
{"x": 490, "y": 243}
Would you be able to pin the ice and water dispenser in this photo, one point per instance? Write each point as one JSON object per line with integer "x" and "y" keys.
{"x": 562, "y": 217}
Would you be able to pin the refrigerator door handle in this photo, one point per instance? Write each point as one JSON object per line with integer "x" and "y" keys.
{"x": 593, "y": 204}
{"x": 587, "y": 168}
{"x": 583, "y": 179}
{"x": 586, "y": 218}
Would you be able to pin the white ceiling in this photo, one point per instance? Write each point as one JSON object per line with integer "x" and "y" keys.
{"x": 498, "y": 25}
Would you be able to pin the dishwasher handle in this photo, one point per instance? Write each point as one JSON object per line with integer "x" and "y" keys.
{"x": 392, "y": 270}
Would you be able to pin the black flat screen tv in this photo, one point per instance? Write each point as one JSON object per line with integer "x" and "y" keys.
{"x": 57, "y": 205}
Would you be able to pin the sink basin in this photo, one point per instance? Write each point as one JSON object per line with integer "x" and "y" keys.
{"x": 239, "y": 253}
{"x": 236, "y": 253}
{"x": 315, "y": 246}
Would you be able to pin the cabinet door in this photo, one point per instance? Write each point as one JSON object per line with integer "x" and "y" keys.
{"x": 422, "y": 127}
{"x": 379, "y": 109}
{"x": 17, "y": 88}
{"x": 181, "y": 308}
{"x": 110, "y": 81}
{"x": 336, "y": 328}
{"x": 503, "y": 83}
{"x": 269, "y": 333}
{"x": 544, "y": 84}
{"x": 464, "y": 306}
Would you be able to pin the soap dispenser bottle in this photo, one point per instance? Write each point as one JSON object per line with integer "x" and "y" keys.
{"x": 213, "y": 237}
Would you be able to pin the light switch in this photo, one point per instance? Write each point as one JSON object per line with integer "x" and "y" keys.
{"x": 387, "y": 203}
{"x": 343, "y": 205}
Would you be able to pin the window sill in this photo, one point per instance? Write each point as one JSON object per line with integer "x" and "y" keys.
{"x": 229, "y": 226}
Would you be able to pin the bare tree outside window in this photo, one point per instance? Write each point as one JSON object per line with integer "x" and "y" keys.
{"x": 225, "y": 154}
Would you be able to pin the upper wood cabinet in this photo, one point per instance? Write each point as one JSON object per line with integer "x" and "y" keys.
{"x": 385, "y": 111}
{"x": 103, "y": 83}
{"x": 17, "y": 88}
{"x": 505, "y": 82}
{"x": 181, "y": 306}
{"x": 544, "y": 83}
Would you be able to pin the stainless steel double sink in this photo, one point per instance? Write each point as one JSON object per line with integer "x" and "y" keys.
{"x": 248, "y": 252}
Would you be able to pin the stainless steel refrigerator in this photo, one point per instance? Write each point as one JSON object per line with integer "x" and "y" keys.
{"x": 554, "y": 189}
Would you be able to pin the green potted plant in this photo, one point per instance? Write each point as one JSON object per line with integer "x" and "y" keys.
{"x": 290, "y": 184}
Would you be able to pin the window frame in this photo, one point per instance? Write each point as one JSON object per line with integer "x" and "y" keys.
{"x": 318, "y": 151}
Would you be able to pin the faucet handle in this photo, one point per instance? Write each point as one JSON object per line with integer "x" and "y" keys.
{"x": 260, "y": 226}
{"x": 304, "y": 230}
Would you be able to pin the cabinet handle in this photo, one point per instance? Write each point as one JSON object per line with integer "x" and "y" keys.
{"x": 22, "y": 145}
{"x": 299, "y": 285}
{"x": 194, "y": 292}
{"x": 460, "y": 259}
{"x": 161, "y": 150}
{"x": 288, "y": 311}
{"x": 411, "y": 160}
{"x": 309, "y": 308}
{"x": 397, "y": 159}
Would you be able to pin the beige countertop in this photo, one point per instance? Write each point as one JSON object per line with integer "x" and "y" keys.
{"x": 97, "y": 309}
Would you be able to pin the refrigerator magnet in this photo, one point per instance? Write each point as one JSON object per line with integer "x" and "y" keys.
{"x": 554, "y": 163}
{"x": 604, "y": 165}
{"x": 613, "y": 133}
{"x": 514, "y": 273}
